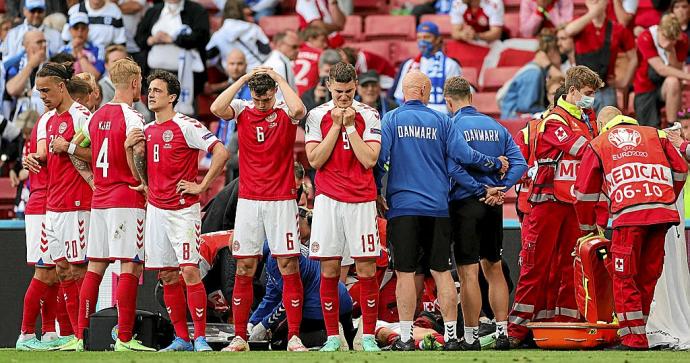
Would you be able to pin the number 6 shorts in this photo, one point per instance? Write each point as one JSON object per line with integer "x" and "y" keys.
{"x": 172, "y": 237}
{"x": 68, "y": 234}
{"x": 342, "y": 229}
{"x": 257, "y": 221}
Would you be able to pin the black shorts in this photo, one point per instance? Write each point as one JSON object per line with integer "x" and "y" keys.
{"x": 418, "y": 243}
{"x": 477, "y": 231}
{"x": 648, "y": 107}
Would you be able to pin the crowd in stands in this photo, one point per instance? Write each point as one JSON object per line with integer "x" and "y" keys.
{"x": 513, "y": 52}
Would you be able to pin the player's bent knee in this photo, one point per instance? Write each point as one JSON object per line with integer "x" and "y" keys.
{"x": 672, "y": 84}
{"x": 246, "y": 266}
{"x": 46, "y": 275}
{"x": 191, "y": 275}
{"x": 330, "y": 268}
{"x": 133, "y": 268}
{"x": 366, "y": 267}
{"x": 169, "y": 277}
{"x": 288, "y": 265}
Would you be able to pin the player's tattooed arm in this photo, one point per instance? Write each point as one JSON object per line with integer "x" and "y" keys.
{"x": 135, "y": 147}
{"x": 84, "y": 170}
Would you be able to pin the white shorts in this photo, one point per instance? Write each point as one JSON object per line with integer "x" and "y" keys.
{"x": 172, "y": 237}
{"x": 343, "y": 230}
{"x": 37, "y": 248}
{"x": 117, "y": 234}
{"x": 68, "y": 234}
{"x": 257, "y": 221}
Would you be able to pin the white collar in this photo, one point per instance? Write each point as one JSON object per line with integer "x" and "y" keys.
{"x": 173, "y": 9}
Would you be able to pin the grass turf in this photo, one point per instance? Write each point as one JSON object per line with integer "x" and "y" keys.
{"x": 519, "y": 356}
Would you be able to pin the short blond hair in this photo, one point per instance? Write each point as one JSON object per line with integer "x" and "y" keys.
{"x": 124, "y": 71}
{"x": 457, "y": 88}
{"x": 581, "y": 77}
{"x": 670, "y": 26}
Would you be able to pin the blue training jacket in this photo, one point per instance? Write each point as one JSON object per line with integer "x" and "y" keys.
{"x": 417, "y": 146}
{"x": 489, "y": 137}
{"x": 271, "y": 310}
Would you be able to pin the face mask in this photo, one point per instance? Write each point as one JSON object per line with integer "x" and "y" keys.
{"x": 425, "y": 47}
{"x": 585, "y": 101}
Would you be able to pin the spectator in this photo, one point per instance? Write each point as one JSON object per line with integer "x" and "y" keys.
{"x": 18, "y": 175}
{"x": 526, "y": 91}
{"x": 622, "y": 11}
{"x": 85, "y": 54}
{"x": 366, "y": 61}
{"x": 93, "y": 97}
{"x": 598, "y": 42}
{"x": 174, "y": 35}
{"x": 477, "y": 20}
{"x": 369, "y": 93}
{"x": 5, "y": 26}
{"x": 34, "y": 12}
{"x": 112, "y": 54}
{"x": 648, "y": 13}
{"x": 432, "y": 62}
{"x": 20, "y": 73}
{"x": 318, "y": 95}
{"x": 237, "y": 33}
{"x": 132, "y": 12}
{"x": 566, "y": 47}
{"x": 538, "y": 14}
{"x": 286, "y": 47}
{"x": 329, "y": 17}
{"x": 235, "y": 67}
{"x": 662, "y": 50}
{"x": 105, "y": 23}
{"x": 680, "y": 9}
{"x": 306, "y": 66}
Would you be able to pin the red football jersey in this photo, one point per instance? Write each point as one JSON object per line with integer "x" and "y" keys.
{"x": 306, "y": 68}
{"x": 343, "y": 177}
{"x": 108, "y": 129}
{"x": 172, "y": 155}
{"x": 266, "y": 141}
{"x": 38, "y": 182}
{"x": 67, "y": 190}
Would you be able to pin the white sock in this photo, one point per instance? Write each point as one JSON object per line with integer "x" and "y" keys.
{"x": 450, "y": 331}
{"x": 49, "y": 336}
{"x": 471, "y": 334}
{"x": 405, "y": 331}
{"x": 370, "y": 336}
{"x": 23, "y": 337}
{"x": 502, "y": 327}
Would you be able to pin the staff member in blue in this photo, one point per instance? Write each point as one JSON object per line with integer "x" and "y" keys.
{"x": 416, "y": 145}
{"x": 477, "y": 220}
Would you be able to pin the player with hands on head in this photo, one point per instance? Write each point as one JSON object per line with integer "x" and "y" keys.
{"x": 266, "y": 208}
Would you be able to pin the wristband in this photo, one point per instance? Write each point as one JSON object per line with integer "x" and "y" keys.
{"x": 72, "y": 148}
{"x": 350, "y": 129}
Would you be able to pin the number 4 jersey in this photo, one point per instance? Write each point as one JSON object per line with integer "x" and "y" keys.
{"x": 108, "y": 129}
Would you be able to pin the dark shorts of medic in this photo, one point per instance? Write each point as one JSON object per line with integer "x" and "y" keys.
{"x": 477, "y": 231}
{"x": 419, "y": 244}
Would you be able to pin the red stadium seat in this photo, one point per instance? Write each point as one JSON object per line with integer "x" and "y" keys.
{"x": 277, "y": 23}
{"x": 379, "y": 47}
{"x": 353, "y": 28}
{"x": 390, "y": 27}
{"x": 511, "y": 6}
{"x": 511, "y": 21}
{"x": 469, "y": 55}
{"x": 514, "y": 58}
{"x": 485, "y": 102}
{"x": 7, "y": 192}
{"x": 400, "y": 51}
{"x": 287, "y": 6}
{"x": 443, "y": 22}
{"x": 370, "y": 6}
{"x": 494, "y": 78}
{"x": 513, "y": 126}
{"x": 471, "y": 74}
{"x": 203, "y": 111}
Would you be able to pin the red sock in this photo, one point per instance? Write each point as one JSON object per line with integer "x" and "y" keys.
{"x": 369, "y": 301}
{"x": 173, "y": 295}
{"x": 439, "y": 338}
{"x": 72, "y": 302}
{"x": 242, "y": 298}
{"x": 32, "y": 305}
{"x": 330, "y": 304}
{"x": 196, "y": 300}
{"x": 88, "y": 297}
{"x": 293, "y": 297}
{"x": 392, "y": 338}
{"x": 126, "y": 305}
{"x": 62, "y": 316}
{"x": 49, "y": 309}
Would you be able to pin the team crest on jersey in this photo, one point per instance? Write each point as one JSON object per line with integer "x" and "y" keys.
{"x": 622, "y": 137}
{"x": 167, "y": 135}
{"x": 315, "y": 247}
{"x": 235, "y": 246}
{"x": 62, "y": 128}
{"x": 483, "y": 21}
{"x": 271, "y": 120}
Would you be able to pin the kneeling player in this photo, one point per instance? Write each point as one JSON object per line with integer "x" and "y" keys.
{"x": 173, "y": 223}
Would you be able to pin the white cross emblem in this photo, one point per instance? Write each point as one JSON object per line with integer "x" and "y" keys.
{"x": 620, "y": 267}
{"x": 561, "y": 134}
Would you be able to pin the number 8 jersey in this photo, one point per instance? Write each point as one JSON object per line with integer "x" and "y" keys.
{"x": 108, "y": 129}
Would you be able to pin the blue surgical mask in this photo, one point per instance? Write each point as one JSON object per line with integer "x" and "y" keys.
{"x": 426, "y": 48}
{"x": 585, "y": 101}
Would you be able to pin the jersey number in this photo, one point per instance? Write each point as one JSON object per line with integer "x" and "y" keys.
{"x": 346, "y": 141}
{"x": 260, "y": 137}
{"x": 290, "y": 241}
{"x": 102, "y": 158}
{"x": 368, "y": 243}
{"x": 156, "y": 157}
{"x": 303, "y": 67}
{"x": 185, "y": 251}
{"x": 73, "y": 245}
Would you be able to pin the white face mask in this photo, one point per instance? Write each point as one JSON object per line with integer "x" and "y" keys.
{"x": 585, "y": 101}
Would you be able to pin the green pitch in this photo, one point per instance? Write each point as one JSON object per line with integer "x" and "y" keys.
{"x": 519, "y": 356}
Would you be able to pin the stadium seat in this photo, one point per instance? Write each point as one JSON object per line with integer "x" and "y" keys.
{"x": 514, "y": 58}
{"x": 203, "y": 111}
{"x": 471, "y": 74}
{"x": 485, "y": 102}
{"x": 7, "y": 192}
{"x": 389, "y": 27}
{"x": 511, "y": 6}
{"x": 469, "y": 55}
{"x": 353, "y": 28}
{"x": 287, "y": 6}
{"x": 443, "y": 22}
{"x": 494, "y": 78}
{"x": 379, "y": 47}
{"x": 277, "y": 23}
{"x": 513, "y": 126}
{"x": 511, "y": 21}
{"x": 400, "y": 51}
{"x": 370, "y": 6}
